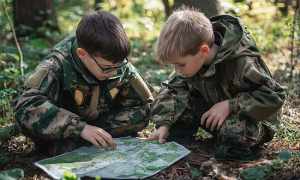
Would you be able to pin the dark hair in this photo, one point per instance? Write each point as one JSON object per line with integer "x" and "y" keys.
{"x": 102, "y": 32}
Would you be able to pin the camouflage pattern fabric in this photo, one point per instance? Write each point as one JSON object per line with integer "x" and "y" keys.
{"x": 238, "y": 74}
{"x": 61, "y": 97}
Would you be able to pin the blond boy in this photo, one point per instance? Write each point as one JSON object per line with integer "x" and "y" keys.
{"x": 221, "y": 85}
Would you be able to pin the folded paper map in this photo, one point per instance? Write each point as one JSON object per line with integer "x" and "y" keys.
{"x": 132, "y": 159}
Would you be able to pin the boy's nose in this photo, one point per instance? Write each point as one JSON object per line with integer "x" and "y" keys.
{"x": 178, "y": 69}
{"x": 179, "y": 72}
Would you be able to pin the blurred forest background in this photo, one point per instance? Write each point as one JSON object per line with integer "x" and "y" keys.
{"x": 29, "y": 28}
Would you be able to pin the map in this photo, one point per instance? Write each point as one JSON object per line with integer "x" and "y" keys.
{"x": 132, "y": 159}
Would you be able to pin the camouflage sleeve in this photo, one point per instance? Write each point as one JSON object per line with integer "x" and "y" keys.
{"x": 37, "y": 112}
{"x": 170, "y": 103}
{"x": 261, "y": 95}
{"x": 129, "y": 105}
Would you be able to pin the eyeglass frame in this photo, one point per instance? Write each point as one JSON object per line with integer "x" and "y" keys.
{"x": 110, "y": 69}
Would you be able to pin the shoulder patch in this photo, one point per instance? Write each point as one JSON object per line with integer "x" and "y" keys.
{"x": 35, "y": 80}
{"x": 78, "y": 97}
{"x": 114, "y": 92}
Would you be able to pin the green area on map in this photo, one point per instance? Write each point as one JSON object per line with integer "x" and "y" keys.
{"x": 132, "y": 159}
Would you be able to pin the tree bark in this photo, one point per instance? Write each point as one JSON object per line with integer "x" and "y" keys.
{"x": 208, "y": 7}
{"x": 34, "y": 14}
{"x": 167, "y": 7}
{"x": 98, "y": 4}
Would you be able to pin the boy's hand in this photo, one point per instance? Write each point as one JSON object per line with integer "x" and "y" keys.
{"x": 160, "y": 134}
{"x": 97, "y": 136}
{"x": 216, "y": 115}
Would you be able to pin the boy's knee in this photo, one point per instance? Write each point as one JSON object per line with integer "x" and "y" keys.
{"x": 240, "y": 139}
{"x": 244, "y": 133}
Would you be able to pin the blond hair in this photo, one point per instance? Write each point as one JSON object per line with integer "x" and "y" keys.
{"x": 185, "y": 30}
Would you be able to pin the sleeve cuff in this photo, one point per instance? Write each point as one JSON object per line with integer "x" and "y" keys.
{"x": 234, "y": 105}
{"x": 75, "y": 128}
{"x": 159, "y": 122}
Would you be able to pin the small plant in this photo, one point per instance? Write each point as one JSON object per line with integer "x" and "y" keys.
{"x": 69, "y": 176}
{"x": 6, "y": 111}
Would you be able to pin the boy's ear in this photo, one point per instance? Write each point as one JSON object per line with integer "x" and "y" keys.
{"x": 81, "y": 52}
{"x": 204, "y": 49}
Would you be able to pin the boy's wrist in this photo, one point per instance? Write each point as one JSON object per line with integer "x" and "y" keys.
{"x": 75, "y": 128}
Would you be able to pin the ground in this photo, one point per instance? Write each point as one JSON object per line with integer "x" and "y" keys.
{"x": 200, "y": 164}
{"x": 18, "y": 151}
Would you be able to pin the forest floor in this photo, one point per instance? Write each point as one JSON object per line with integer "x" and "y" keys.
{"x": 277, "y": 160}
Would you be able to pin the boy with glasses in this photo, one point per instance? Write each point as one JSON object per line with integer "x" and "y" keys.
{"x": 85, "y": 91}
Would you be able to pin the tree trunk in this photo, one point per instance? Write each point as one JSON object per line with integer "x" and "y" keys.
{"x": 208, "y": 7}
{"x": 167, "y": 7}
{"x": 98, "y": 4}
{"x": 33, "y": 14}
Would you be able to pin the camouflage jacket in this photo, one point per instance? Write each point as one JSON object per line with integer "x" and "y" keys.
{"x": 237, "y": 73}
{"x": 61, "y": 96}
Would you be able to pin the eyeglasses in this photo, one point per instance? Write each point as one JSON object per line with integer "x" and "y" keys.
{"x": 115, "y": 67}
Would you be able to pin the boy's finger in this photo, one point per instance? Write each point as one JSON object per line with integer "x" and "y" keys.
{"x": 114, "y": 145}
{"x": 162, "y": 141}
{"x": 208, "y": 121}
{"x": 111, "y": 143}
{"x": 106, "y": 134}
{"x": 106, "y": 140}
{"x": 214, "y": 123}
{"x": 101, "y": 141}
{"x": 203, "y": 117}
{"x": 162, "y": 138}
{"x": 152, "y": 137}
{"x": 220, "y": 123}
{"x": 106, "y": 137}
{"x": 94, "y": 142}
{"x": 142, "y": 138}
